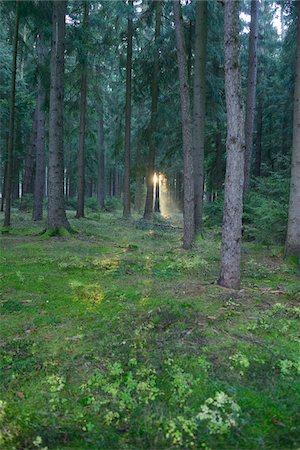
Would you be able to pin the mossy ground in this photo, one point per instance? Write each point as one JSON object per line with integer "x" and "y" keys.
{"x": 125, "y": 293}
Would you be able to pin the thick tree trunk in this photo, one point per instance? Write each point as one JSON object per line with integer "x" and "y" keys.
{"x": 39, "y": 185}
{"x": 199, "y": 109}
{"x": 101, "y": 158}
{"x": 126, "y": 205}
{"x": 56, "y": 207}
{"x": 11, "y": 126}
{"x": 292, "y": 246}
{"x": 258, "y": 143}
{"x": 251, "y": 92}
{"x": 234, "y": 182}
{"x": 188, "y": 186}
{"x": 83, "y": 91}
{"x": 153, "y": 120}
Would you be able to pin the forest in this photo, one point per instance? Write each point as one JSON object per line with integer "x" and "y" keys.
{"x": 150, "y": 224}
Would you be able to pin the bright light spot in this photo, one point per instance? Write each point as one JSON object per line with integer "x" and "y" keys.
{"x": 155, "y": 178}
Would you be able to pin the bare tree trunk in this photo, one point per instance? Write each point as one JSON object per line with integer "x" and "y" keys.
{"x": 11, "y": 127}
{"x": 83, "y": 90}
{"x": 3, "y": 187}
{"x": 56, "y": 206}
{"x": 258, "y": 143}
{"x": 138, "y": 199}
{"x": 157, "y": 195}
{"x": 292, "y": 245}
{"x": 251, "y": 92}
{"x": 101, "y": 158}
{"x": 188, "y": 184}
{"x": 126, "y": 205}
{"x": 153, "y": 120}
{"x": 234, "y": 182}
{"x": 29, "y": 163}
{"x": 39, "y": 185}
{"x": 199, "y": 109}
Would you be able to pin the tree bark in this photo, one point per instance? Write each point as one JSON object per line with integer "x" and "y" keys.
{"x": 292, "y": 245}
{"x": 251, "y": 92}
{"x": 126, "y": 205}
{"x": 153, "y": 120}
{"x": 56, "y": 207}
{"x": 258, "y": 143}
{"x": 101, "y": 158}
{"x": 11, "y": 126}
{"x": 29, "y": 163}
{"x": 188, "y": 183}
{"x": 39, "y": 185}
{"x": 234, "y": 182}
{"x": 83, "y": 91}
{"x": 199, "y": 109}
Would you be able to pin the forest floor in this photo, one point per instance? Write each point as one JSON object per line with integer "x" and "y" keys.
{"x": 116, "y": 338}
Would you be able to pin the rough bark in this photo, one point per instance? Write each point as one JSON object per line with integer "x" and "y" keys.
{"x": 29, "y": 162}
{"x": 101, "y": 158}
{"x": 126, "y": 202}
{"x": 153, "y": 120}
{"x": 39, "y": 184}
{"x": 199, "y": 109}
{"x": 11, "y": 126}
{"x": 258, "y": 143}
{"x": 292, "y": 246}
{"x": 188, "y": 182}
{"x": 251, "y": 92}
{"x": 56, "y": 207}
{"x": 83, "y": 91}
{"x": 234, "y": 181}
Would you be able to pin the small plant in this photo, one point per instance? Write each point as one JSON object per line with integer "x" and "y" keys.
{"x": 240, "y": 362}
{"x": 56, "y": 385}
{"x": 220, "y": 413}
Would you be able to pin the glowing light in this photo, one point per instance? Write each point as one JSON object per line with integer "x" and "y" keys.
{"x": 155, "y": 178}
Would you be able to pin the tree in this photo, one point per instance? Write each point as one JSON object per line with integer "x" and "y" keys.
{"x": 292, "y": 245}
{"x": 251, "y": 92}
{"x": 126, "y": 205}
{"x": 188, "y": 199}
{"x": 39, "y": 184}
{"x": 11, "y": 129}
{"x": 83, "y": 91}
{"x": 234, "y": 181}
{"x": 153, "y": 120}
{"x": 199, "y": 109}
{"x": 57, "y": 218}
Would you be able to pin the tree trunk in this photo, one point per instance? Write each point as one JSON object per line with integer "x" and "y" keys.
{"x": 138, "y": 199}
{"x": 234, "y": 182}
{"x": 292, "y": 245}
{"x": 188, "y": 183}
{"x": 39, "y": 185}
{"x": 83, "y": 90}
{"x": 157, "y": 194}
{"x": 258, "y": 144}
{"x": 29, "y": 163}
{"x": 199, "y": 109}
{"x": 101, "y": 158}
{"x": 56, "y": 207}
{"x": 3, "y": 187}
{"x": 251, "y": 92}
{"x": 153, "y": 120}
{"x": 126, "y": 205}
{"x": 11, "y": 126}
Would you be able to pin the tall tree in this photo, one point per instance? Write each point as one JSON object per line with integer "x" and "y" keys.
{"x": 126, "y": 205}
{"x": 83, "y": 92}
{"x": 188, "y": 184}
{"x": 56, "y": 207}
{"x": 11, "y": 126}
{"x": 234, "y": 181}
{"x": 251, "y": 92}
{"x": 153, "y": 120}
{"x": 199, "y": 108}
{"x": 292, "y": 246}
{"x": 39, "y": 184}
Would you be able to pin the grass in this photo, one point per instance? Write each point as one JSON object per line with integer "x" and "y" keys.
{"x": 115, "y": 337}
